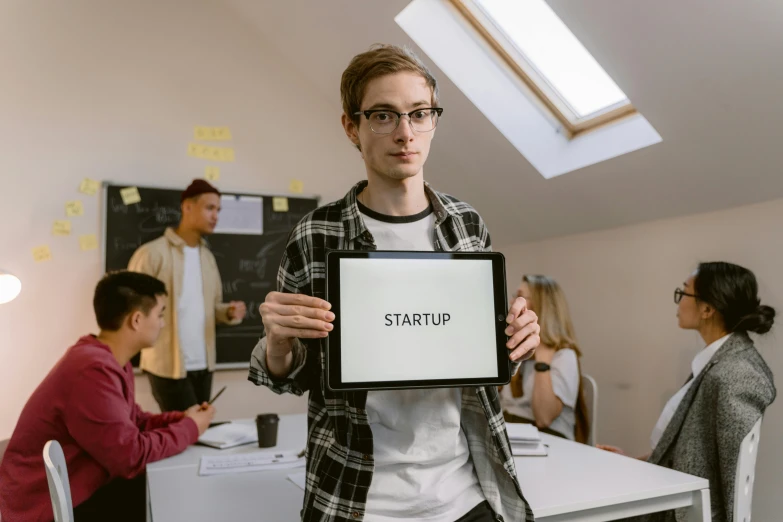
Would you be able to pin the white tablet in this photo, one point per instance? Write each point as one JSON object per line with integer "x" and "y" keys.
{"x": 416, "y": 320}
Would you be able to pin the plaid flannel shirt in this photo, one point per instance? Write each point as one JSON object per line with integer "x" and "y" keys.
{"x": 340, "y": 445}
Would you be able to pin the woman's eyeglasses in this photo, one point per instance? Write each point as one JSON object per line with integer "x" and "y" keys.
{"x": 679, "y": 293}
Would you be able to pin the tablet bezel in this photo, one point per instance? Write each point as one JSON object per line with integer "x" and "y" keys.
{"x": 333, "y": 352}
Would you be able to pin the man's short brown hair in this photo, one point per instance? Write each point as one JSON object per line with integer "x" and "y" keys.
{"x": 380, "y": 60}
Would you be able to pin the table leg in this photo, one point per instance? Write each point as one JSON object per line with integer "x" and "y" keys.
{"x": 149, "y": 502}
{"x": 700, "y": 510}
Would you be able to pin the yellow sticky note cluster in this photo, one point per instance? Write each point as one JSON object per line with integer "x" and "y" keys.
{"x": 88, "y": 242}
{"x": 74, "y": 208}
{"x": 210, "y": 153}
{"x": 89, "y": 186}
{"x": 42, "y": 253}
{"x": 212, "y": 133}
{"x": 130, "y": 195}
{"x": 280, "y": 204}
{"x": 296, "y": 186}
{"x": 61, "y": 227}
{"x": 212, "y": 173}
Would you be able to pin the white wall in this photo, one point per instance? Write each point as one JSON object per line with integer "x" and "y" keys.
{"x": 111, "y": 91}
{"x": 620, "y": 286}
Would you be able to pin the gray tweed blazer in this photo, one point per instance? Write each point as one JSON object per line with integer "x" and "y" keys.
{"x": 719, "y": 410}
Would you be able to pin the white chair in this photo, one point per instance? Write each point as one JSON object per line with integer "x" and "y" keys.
{"x": 59, "y": 486}
{"x": 746, "y": 474}
{"x": 590, "y": 392}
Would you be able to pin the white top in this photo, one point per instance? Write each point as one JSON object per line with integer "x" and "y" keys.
{"x": 423, "y": 468}
{"x": 190, "y": 312}
{"x": 565, "y": 384}
{"x": 698, "y": 364}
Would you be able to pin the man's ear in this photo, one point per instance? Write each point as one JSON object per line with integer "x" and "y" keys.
{"x": 351, "y": 130}
{"x": 134, "y": 320}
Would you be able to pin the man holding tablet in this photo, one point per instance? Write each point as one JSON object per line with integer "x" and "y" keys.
{"x": 428, "y": 454}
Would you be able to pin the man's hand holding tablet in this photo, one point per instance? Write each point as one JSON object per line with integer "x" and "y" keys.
{"x": 287, "y": 317}
{"x": 523, "y": 330}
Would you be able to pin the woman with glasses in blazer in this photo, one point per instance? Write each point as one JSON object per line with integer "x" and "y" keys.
{"x": 702, "y": 426}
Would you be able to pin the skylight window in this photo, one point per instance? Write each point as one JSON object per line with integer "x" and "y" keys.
{"x": 550, "y": 60}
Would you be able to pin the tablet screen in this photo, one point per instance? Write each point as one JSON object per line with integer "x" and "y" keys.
{"x": 417, "y": 319}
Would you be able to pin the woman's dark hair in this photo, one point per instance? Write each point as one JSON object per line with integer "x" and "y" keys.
{"x": 121, "y": 293}
{"x": 732, "y": 290}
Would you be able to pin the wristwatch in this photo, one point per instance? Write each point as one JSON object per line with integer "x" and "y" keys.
{"x": 542, "y": 367}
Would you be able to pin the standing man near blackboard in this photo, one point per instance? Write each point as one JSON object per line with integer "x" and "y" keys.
{"x": 180, "y": 364}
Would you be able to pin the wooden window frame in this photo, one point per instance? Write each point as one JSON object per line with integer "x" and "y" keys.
{"x": 538, "y": 85}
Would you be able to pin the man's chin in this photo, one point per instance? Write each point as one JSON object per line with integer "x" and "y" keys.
{"x": 401, "y": 174}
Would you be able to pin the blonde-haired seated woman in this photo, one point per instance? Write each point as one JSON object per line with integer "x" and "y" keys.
{"x": 546, "y": 391}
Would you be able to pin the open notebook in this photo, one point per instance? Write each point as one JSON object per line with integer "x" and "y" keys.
{"x": 525, "y": 440}
{"x": 229, "y": 435}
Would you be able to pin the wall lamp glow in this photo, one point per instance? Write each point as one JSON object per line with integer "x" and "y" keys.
{"x": 10, "y": 286}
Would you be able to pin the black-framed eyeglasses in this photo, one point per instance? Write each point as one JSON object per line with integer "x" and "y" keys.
{"x": 679, "y": 293}
{"x": 386, "y": 121}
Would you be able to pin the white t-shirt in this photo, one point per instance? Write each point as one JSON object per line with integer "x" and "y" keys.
{"x": 565, "y": 383}
{"x": 697, "y": 366}
{"x": 423, "y": 468}
{"x": 190, "y": 312}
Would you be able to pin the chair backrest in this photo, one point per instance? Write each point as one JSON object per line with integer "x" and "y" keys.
{"x": 59, "y": 486}
{"x": 746, "y": 474}
{"x": 590, "y": 392}
{"x": 3, "y": 445}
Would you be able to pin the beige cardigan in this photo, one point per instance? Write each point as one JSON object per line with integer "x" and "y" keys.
{"x": 164, "y": 258}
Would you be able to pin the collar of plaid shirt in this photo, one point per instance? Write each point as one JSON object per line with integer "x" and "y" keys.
{"x": 340, "y": 447}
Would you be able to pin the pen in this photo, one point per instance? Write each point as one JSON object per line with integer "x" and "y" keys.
{"x": 217, "y": 395}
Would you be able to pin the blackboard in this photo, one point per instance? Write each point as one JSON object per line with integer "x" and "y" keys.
{"x": 248, "y": 263}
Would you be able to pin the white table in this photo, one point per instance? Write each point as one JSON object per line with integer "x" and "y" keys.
{"x": 573, "y": 483}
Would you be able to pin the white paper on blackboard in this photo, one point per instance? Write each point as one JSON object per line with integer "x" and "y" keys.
{"x": 241, "y": 215}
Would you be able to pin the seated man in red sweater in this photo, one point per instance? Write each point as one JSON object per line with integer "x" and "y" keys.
{"x": 86, "y": 403}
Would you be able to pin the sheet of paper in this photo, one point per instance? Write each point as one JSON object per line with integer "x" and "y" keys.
{"x": 42, "y": 253}
{"x": 296, "y": 186}
{"x": 240, "y": 215}
{"x": 229, "y": 435}
{"x": 74, "y": 208}
{"x": 89, "y": 186}
{"x": 280, "y": 204}
{"x": 61, "y": 227}
{"x": 518, "y": 431}
{"x": 299, "y": 479}
{"x": 247, "y": 462}
{"x": 212, "y": 173}
{"x": 88, "y": 242}
{"x": 529, "y": 450}
{"x": 130, "y": 195}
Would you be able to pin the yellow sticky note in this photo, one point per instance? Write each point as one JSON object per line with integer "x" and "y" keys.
{"x": 296, "y": 186}
{"x": 88, "y": 242}
{"x": 212, "y": 173}
{"x": 215, "y": 154}
{"x": 89, "y": 186}
{"x": 130, "y": 195}
{"x": 74, "y": 208}
{"x": 202, "y": 133}
{"x": 227, "y": 154}
{"x": 193, "y": 150}
{"x": 280, "y": 204}
{"x": 61, "y": 227}
{"x": 221, "y": 134}
{"x": 42, "y": 253}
